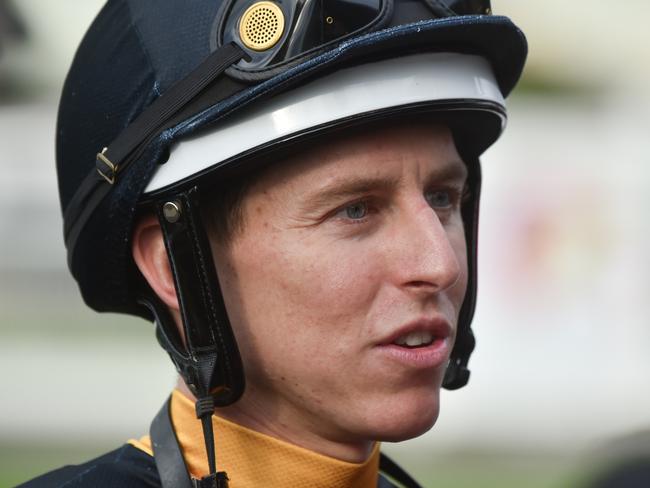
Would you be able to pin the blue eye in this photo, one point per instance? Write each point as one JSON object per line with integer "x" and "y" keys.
{"x": 438, "y": 199}
{"x": 356, "y": 211}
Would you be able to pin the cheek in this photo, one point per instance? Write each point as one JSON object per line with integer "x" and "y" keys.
{"x": 456, "y": 235}
{"x": 332, "y": 281}
{"x": 292, "y": 289}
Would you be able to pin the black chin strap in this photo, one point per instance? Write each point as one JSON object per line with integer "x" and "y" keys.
{"x": 169, "y": 458}
{"x": 167, "y": 454}
{"x": 396, "y": 473}
{"x": 209, "y": 360}
{"x": 174, "y": 474}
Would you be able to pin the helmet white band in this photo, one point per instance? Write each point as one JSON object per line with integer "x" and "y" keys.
{"x": 417, "y": 78}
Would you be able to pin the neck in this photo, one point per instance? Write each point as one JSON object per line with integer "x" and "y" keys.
{"x": 282, "y": 425}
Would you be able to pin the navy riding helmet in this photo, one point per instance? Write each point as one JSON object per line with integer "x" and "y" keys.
{"x": 164, "y": 98}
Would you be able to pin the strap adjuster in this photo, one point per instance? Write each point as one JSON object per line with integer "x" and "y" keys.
{"x": 105, "y": 167}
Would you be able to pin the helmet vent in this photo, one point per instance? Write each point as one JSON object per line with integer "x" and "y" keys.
{"x": 261, "y": 26}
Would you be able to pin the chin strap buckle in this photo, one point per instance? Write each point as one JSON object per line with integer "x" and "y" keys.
{"x": 105, "y": 167}
{"x": 204, "y": 407}
{"x": 214, "y": 480}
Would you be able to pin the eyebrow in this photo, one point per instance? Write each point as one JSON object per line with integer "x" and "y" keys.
{"x": 341, "y": 189}
{"x": 451, "y": 170}
{"x": 345, "y": 187}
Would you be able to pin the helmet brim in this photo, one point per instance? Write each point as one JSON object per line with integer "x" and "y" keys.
{"x": 457, "y": 90}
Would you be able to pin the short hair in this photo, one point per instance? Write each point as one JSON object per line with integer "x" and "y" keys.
{"x": 221, "y": 207}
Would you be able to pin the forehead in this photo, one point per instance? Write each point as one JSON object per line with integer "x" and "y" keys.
{"x": 368, "y": 150}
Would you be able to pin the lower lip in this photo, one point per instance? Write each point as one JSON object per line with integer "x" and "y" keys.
{"x": 432, "y": 356}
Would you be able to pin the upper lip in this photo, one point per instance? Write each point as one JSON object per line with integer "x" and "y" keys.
{"x": 439, "y": 327}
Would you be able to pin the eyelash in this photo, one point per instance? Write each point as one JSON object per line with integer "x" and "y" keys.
{"x": 457, "y": 197}
{"x": 338, "y": 213}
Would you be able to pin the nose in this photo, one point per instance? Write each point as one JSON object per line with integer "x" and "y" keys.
{"x": 429, "y": 255}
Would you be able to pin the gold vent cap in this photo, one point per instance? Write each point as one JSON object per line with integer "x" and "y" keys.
{"x": 261, "y": 26}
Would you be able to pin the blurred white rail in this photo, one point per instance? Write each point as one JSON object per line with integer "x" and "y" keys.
{"x": 562, "y": 322}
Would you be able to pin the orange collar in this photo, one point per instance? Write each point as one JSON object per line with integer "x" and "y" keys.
{"x": 254, "y": 459}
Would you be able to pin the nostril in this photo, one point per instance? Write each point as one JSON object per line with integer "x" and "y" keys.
{"x": 420, "y": 284}
{"x": 435, "y": 275}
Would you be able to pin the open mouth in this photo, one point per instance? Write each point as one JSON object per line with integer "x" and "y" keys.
{"x": 421, "y": 344}
{"x": 415, "y": 339}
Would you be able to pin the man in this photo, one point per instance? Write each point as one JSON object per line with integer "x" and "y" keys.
{"x": 307, "y": 250}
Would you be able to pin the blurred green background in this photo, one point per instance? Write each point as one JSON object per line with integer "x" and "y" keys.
{"x": 559, "y": 387}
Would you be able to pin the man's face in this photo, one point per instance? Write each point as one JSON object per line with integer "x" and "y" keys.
{"x": 345, "y": 284}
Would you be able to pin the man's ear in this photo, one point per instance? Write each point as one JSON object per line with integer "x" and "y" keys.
{"x": 150, "y": 256}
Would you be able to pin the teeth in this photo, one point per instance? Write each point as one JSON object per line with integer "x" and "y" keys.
{"x": 414, "y": 339}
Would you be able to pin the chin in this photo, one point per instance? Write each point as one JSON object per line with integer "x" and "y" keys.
{"x": 409, "y": 430}
{"x": 407, "y": 418}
